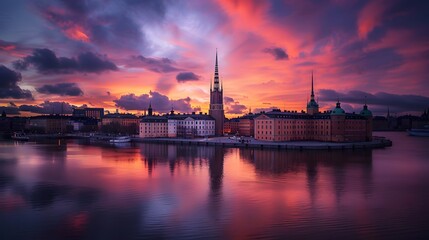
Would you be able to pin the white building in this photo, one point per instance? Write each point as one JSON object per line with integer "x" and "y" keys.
{"x": 191, "y": 125}
{"x": 177, "y": 125}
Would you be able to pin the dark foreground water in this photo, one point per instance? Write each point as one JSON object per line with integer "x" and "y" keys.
{"x": 62, "y": 190}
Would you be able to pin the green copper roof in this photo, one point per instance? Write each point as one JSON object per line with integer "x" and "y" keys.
{"x": 338, "y": 110}
{"x": 365, "y": 112}
{"x": 313, "y": 104}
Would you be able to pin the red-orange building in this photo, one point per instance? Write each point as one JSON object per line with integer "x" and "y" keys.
{"x": 334, "y": 126}
{"x": 230, "y": 126}
{"x": 243, "y": 126}
{"x": 246, "y": 125}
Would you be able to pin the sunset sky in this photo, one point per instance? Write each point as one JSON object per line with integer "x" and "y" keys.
{"x": 125, "y": 54}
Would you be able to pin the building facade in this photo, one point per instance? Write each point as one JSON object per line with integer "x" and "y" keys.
{"x": 177, "y": 125}
{"x": 216, "y": 102}
{"x": 246, "y": 125}
{"x": 333, "y": 126}
{"x": 153, "y": 126}
{"x": 96, "y": 113}
{"x": 336, "y": 126}
{"x": 230, "y": 126}
{"x": 49, "y": 124}
{"x": 120, "y": 123}
{"x": 191, "y": 125}
{"x": 242, "y": 126}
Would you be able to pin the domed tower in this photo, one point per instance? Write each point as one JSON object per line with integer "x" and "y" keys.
{"x": 312, "y": 106}
{"x": 216, "y": 102}
{"x": 338, "y": 123}
{"x": 338, "y": 111}
{"x": 365, "y": 111}
{"x": 368, "y": 122}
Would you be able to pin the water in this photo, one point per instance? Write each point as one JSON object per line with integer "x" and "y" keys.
{"x": 72, "y": 190}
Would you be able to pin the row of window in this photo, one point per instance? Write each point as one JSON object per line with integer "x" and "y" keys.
{"x": 294, "y": 132}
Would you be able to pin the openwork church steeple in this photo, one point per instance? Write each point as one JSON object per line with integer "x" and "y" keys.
{"x": 216, "y": 86}
{"x": 216, "y": 101}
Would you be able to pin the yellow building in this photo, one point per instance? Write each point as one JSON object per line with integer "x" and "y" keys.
{"x": 153, "y": 126}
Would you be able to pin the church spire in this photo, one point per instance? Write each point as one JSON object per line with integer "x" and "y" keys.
{"x": 216, "y": 75}
{"x": 312, "y": 106}
{"x": 149, "y": 110}
{"x": 312, "y": 86}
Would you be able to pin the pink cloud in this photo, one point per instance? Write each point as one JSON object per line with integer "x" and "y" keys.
{"x": 371, "y": 16}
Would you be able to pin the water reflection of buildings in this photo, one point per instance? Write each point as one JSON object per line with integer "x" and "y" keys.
{"x": 189, "y": 156}
{"x": 341, "y": 169}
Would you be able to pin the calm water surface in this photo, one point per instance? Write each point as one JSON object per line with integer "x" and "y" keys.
{"x": 69, "y": 189}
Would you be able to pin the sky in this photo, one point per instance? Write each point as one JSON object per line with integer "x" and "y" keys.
{"x": 59, "y": 54}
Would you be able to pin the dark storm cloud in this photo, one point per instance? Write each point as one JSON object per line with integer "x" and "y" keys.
{"x": 48, "y": 107}
{"x": 402, "y": 14}
{"x": 151, "y": 8}
{"x": 159, "y": 102}
{"x": 89, "y": 62}
{"x": 321, "y": 18}
{"x": 187, "y": 76}
{"x": 62, "y": 89}
{"x": 9, "y": 85}
{"x": 159, "y": 65}
{"x": 399, "y": 103}
{"x": 121, "y": 32}
{"x": 278, "y": 53}
{"x": 370, "y": 61}
{"x": 46, "y": 62}
{"x": 116, "y": 25}
{"x": 233, "y": 107}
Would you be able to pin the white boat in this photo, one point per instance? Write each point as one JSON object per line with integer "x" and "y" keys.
{"x": 122, "y": 139}
{"x": 20, "y": 136}
{"x": 418, "y": 132}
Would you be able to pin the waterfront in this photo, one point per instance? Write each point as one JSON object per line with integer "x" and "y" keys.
{"x": 67, "y": 189}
